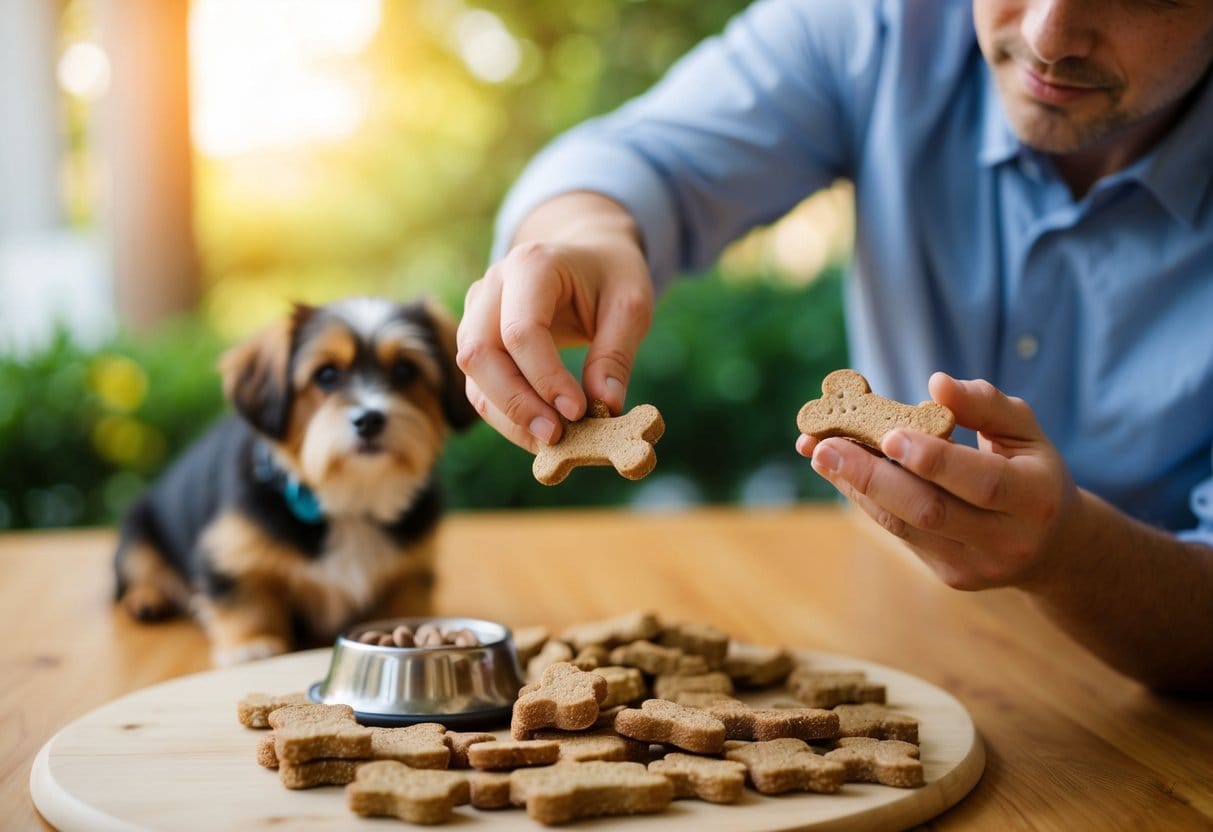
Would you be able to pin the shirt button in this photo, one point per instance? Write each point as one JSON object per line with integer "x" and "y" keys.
{"x": 1027, "y": 346}
{"x": 1029, "y": 166}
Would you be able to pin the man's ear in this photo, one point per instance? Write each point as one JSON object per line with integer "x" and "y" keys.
{"x": 255, "y": 375}
{"x": 455, "y": 405}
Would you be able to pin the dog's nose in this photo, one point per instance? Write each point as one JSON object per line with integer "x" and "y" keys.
{"x": 369, "y": 423}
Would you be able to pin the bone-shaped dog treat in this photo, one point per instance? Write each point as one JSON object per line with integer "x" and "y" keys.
{"x": 423, "y": 745}
{"x": 626, "y": 442}
{"x": 625, "y": 628}
{"x": 624, "y": 684}
{"x": 827, "y": 688}
{"x": 569, "y": 791}
{"x": 600, "y": 744}
{"x": 849, "y": 408}
{"x": 566, "y": 698}
{"x": 254, "y": 710}
{"x": 757, "y": 665}
{"x": 741, "y": 722}
{"x": 657, "y": 720}
{"x": 311, "y": 732}
{"x": 503, "y": 755}
{"x": 888, "y": 762}
{"x": 716, "y": 781}
{"x": 870, "y": 720}
{"x": 785, "y": 765}
{"x": 459, "y": 743}
{"x": 390, "y": 788}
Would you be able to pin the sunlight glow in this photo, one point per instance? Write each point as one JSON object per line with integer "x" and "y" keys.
{"x": 84, "y": 70}
{"x": 486, "y": 46}
{"x": 273, "y": 74}
{"x": 818, "y": 232}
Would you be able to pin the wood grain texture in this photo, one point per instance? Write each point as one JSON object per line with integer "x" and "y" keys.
{"x": 174, "y": 756}
{"x": 1070, "y": 744}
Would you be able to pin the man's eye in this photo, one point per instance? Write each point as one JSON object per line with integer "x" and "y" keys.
{"x": 402, "y": 373}
{"x": 326, "y": 377}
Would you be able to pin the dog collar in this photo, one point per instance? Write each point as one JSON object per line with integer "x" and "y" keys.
{"x": 300, "y": 499}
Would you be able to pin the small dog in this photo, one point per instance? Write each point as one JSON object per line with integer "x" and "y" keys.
{"x": 314, "y": 507}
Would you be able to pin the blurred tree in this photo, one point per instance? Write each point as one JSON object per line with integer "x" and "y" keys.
{"x": 463, "y": 94}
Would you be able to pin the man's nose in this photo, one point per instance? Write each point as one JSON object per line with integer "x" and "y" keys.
{"x": 1058, "y": 29}
{"x": 369, "y": 423}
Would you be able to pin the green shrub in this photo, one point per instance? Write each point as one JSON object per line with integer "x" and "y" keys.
{"x": 82, "y": 431}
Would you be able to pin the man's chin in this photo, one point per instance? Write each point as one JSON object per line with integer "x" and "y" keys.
{"x": 1053, "y": 131}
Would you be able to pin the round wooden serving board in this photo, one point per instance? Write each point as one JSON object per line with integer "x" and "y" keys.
{"x": 173, "y": 756}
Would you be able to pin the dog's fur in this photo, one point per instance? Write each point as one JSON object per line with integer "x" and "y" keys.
{"x": 355, "y": 402}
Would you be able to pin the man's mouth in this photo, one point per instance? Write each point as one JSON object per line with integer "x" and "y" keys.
{"x": 1049, "y": 91}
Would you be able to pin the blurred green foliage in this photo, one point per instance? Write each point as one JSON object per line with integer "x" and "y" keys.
{"x": 82, "y": 431}
{"x": 727, "y": 363}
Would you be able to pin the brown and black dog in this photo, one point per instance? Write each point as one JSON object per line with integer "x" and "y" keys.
{"x": 314, "y": 506}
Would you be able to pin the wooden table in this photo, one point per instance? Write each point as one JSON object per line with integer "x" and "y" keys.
{"x": 1070, "y": 744}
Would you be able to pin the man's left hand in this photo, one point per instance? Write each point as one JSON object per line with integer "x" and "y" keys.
{"x": 978, "y": 517}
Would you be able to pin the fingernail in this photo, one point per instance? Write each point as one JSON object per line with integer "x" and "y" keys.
{"x": 826, "y": 459}
{"x": 615, "y": 389}
{"x": 896, "y": 446}
{"x": 543, "y": 429}
{"x": 567, "y": 408}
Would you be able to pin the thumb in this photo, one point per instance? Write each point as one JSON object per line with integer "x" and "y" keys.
{"x": 624, "y": 316}
{"x": 980, "y": 406}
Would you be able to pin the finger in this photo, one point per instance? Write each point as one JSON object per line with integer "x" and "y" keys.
{"x": 948, "y": 559}
{"x": 805, "y": 444}
{"x": 977, "y": 477}
{"x": 519, "y": 436}
{"x": 624, "y": 317}
{"x": 493, "y": 372}
{"x": 534, "y": 287}
{"x": 914, "y": 501}
{"x": 979, "y": 405}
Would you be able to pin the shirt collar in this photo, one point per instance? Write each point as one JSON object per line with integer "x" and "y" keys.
{"x": 1177, "y": 172}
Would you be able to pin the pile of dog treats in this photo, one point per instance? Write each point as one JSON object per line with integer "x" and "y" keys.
{"x": 621, "y": 716}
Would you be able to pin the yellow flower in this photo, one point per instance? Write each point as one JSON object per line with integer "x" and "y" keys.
{"x": 128, "y": 443}
{"x": 120, "y": 383}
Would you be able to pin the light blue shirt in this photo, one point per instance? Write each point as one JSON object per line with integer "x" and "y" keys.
{"x": 971, "y": 255}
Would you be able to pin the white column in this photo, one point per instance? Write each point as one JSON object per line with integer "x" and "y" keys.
{"x": 30, "y": 144}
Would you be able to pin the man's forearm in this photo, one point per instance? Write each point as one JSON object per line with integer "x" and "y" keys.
{"x": 1136, "y": 597}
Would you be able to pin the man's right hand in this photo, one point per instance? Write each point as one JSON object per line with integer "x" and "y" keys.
{"x": 575, "y": 274}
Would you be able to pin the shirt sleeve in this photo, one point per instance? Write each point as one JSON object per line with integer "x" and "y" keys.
{"x": 735, "y": 135}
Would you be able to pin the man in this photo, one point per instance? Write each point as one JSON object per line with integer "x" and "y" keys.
{"x": 1034, "y": 211}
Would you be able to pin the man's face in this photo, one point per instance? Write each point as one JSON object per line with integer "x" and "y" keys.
{"x": 1079, "y": 74}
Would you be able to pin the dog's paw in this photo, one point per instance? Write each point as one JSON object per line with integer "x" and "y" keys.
{"x": 148, "y": 603}
{"x": 260, "y": 647}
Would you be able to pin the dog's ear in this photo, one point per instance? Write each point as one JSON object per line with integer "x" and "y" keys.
{"x": 256, "y": 375}
{"x": 455, "y": 405}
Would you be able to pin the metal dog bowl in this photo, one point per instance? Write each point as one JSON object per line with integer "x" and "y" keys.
{"x": 460, "y": 687}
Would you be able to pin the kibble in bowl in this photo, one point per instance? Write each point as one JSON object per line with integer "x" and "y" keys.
{"x": 461, "y": 672}
{"x": 426, "y": 634}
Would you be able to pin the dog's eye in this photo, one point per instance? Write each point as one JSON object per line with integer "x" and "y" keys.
{"x": 402, "y": 373}
{"x": 326, "y": 377}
